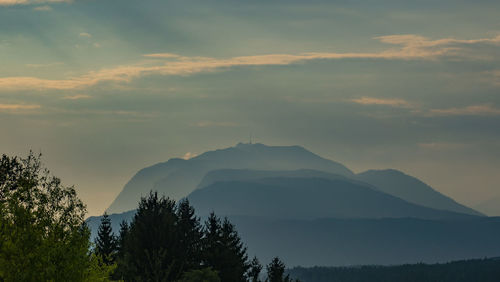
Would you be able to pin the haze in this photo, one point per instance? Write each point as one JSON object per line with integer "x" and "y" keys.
{"x": 105, "y": 88}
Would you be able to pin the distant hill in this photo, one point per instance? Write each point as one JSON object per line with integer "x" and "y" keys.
{"x": 343, "y": 242}
{"x": 411, "y": 189}
{"x": 177, "y": 177}
{"x": 116, "y": 219}
{"x": 306, "y": 198}
{"x": 480, "y": 270}
{"x": 224, "y": 175}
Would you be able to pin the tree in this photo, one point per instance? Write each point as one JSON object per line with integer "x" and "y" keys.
{"x": 119, "y": 273}
{"x": 150, "y": 244}
{"x": 106, "y": 242}
{"x": 254, "y": 270}
{"x": 276, "y": 271}
{"x": 223, "y": 250}
{"x": 198, "y": 275}
{"x": 42, "y": 232}
{"x": 189, "y": 236}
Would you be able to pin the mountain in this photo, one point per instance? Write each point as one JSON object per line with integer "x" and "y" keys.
{"x": 307, "y": 198}
{"x": 177, "y": 177}
{"x": 411, "y": 189}
{"x": 224, "y": 175}
{"x": 342, "y": 242}
{"x": 93, "y": 222}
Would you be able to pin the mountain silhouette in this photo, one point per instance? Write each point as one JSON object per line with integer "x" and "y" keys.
{"x": 177, "y": 177}
{"x": 411, "y": 189}
{"x": 307, "y": 198}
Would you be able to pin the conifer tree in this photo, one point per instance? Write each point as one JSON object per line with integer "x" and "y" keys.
{"x": 189, "y": 237}
{"x": 119, "y": 273}
{"x": 254, "y": 271}
{"x": 276, "y": 271}
{"x": 224, "y": 251}
{"x": 150, "y": 243}
{"x": 106, "y": 242}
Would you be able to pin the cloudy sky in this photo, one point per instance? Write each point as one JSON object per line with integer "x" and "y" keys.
{"x": 104, "y": 88}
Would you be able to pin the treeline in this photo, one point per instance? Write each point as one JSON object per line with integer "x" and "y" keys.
{"x": 480, "y": 270}
{"x": 166, "y": 242}
{"x": 43, "y": 237}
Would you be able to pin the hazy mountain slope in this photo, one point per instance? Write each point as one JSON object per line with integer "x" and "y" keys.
{"x": 223, "y": 175}
{"x": 176, "y": 178}
{"x": 411, "y": 189}
{"x": 306, "y": 198}
{"x": 329, "y": 242}
{"x": 116, "y": 218}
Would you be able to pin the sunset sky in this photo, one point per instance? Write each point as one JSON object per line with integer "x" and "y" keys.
{"x": 104, "y": 88}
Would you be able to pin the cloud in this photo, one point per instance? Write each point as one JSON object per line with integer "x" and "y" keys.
{"x": 207, "y": 123}
{"x": 77, "y": 97}
{"x": 30, "y": 2}
{"x": 474, "y": 110}
{"x": 439, "y": 146}
{"x": 18, "y": 107}
{"x": 189, "y": 155}
{"x": 45, "y": 8}
{"x": 44, "y": 65}
{"x": 384, "y": 102}
{"x": 162, "y": 55}
{"x": 85, "y": 34}
{"x": 413, "y": 47}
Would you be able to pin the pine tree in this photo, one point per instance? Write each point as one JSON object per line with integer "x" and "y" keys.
{"x": 276, "y": 271}
{"x": 119, "y": 273}
{"x": 189, "y": 236}
{"x": 254, "y": 271}
{"x": 224, "y": 251}
{"x": 124, "y": 227}
{"x": 106, "y": 243}
{"x": 150, "y": 244}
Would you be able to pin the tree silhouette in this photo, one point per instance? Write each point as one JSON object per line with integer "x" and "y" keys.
{"x": 255, "y": 269}
{"x": 106, "y": 242}
{"x": 276, "y": 271}
{"x": 223, "y": 250}
{"x": 189, "y": 237}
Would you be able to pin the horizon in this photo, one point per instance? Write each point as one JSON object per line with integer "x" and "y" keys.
{"x": 106, "y": 88}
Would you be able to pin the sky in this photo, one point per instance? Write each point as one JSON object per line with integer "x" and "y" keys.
{"x": 104, "y": 88}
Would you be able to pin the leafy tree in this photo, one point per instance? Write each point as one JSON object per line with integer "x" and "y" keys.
{"x": 254, "y": 270}
{"x": 42, "y": 231}
{"x": 276, "y": 271}
{"x": 200, "y": 275}
{"x": 106, "y": 242}
{"x": 224, "y": 250}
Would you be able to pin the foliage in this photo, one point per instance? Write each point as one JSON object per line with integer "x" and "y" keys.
{"x": 276, "y": 271}
{"x": 42, "y": 232}
{"x": 200, "y": 275}
{"x": 106, "y": 242}
{"x": 223, "y": 250}
{"x": 254, "y": 270}
{"x": 98, "y": 270}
